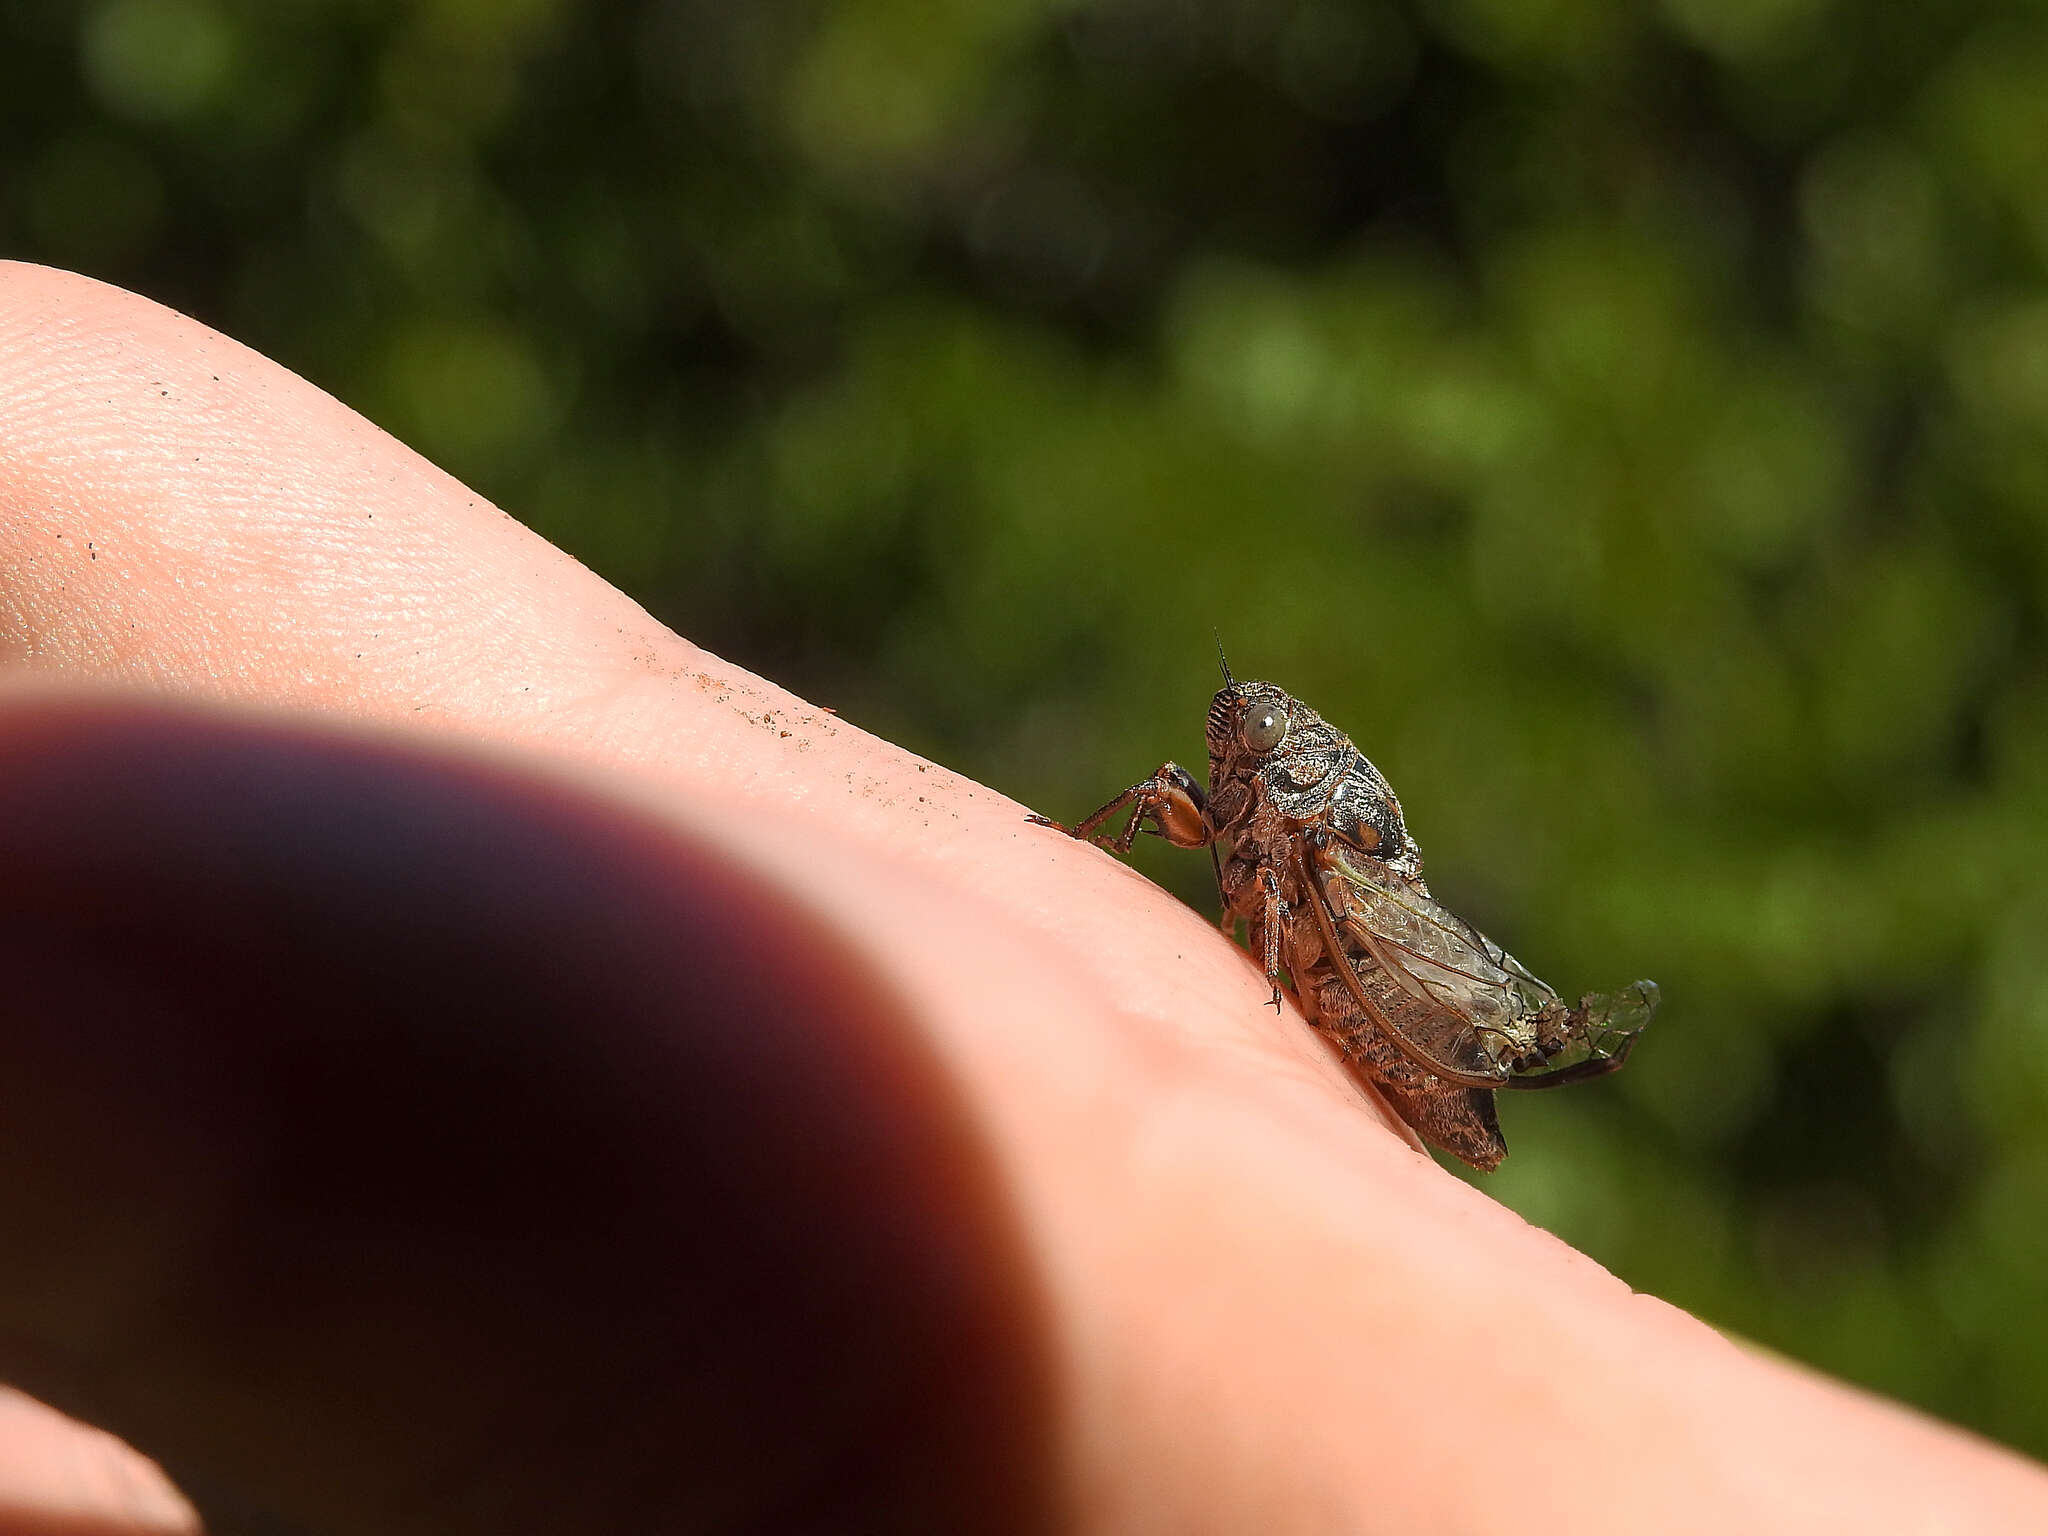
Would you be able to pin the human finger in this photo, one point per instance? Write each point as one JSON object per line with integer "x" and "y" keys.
{"x": 402, "y": 1142}
{"x": 1261, "y": 1301}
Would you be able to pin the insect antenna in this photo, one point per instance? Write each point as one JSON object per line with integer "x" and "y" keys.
{"x": 1222, "y": 660}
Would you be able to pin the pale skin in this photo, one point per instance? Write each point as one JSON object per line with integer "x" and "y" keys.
{"x": 272, "y": 676}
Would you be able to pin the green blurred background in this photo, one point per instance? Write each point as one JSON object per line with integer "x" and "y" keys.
{"x": 1629, "y": 421}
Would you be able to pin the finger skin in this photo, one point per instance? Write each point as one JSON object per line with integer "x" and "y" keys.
{"x": 58, "y": 1478}
{"x": 1264, "y": 1311}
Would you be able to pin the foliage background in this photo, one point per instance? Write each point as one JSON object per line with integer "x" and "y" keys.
{"x": 1629, "y": 420}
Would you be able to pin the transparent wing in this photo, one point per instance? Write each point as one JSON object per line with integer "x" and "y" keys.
{"x": 1591, "y": 1040}
{"x": 1454, "y": 1001}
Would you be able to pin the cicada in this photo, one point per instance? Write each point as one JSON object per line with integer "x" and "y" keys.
{"x": 1312, "y": 855}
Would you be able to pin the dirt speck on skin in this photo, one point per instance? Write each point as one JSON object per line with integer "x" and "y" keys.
{"x": 783, "y": 724}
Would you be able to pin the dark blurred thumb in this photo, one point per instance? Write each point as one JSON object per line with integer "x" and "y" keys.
{"x": 406, "y": 1142}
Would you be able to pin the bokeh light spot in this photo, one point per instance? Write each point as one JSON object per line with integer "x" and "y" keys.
{"x": 159, "y": 61}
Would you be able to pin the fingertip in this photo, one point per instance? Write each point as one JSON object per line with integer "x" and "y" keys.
{"x": 62, "y": 1478}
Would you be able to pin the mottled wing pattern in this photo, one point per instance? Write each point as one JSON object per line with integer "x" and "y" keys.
{"x": 1454, "y": 1001}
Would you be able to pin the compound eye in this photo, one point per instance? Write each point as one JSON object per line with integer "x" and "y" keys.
{"x": 1263, "y": 728}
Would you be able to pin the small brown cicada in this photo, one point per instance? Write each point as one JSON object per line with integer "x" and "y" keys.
{"x": 1312, "y": 854}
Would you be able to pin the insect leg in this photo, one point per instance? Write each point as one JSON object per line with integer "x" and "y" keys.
{"x": 1273, "y": 916}
{"x": 1597, "y": 1023}
{"x": 1170, "y": 801}
{"x": 1578, "y": 1071}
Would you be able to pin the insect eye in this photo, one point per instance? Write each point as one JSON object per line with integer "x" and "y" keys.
{"x": 1263, "y": 727}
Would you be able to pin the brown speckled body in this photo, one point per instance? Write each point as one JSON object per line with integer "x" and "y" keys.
{"x": 1314, "y": 856}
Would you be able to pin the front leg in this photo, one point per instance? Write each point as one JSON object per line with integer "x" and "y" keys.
{"x": 1170, "y": 801}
